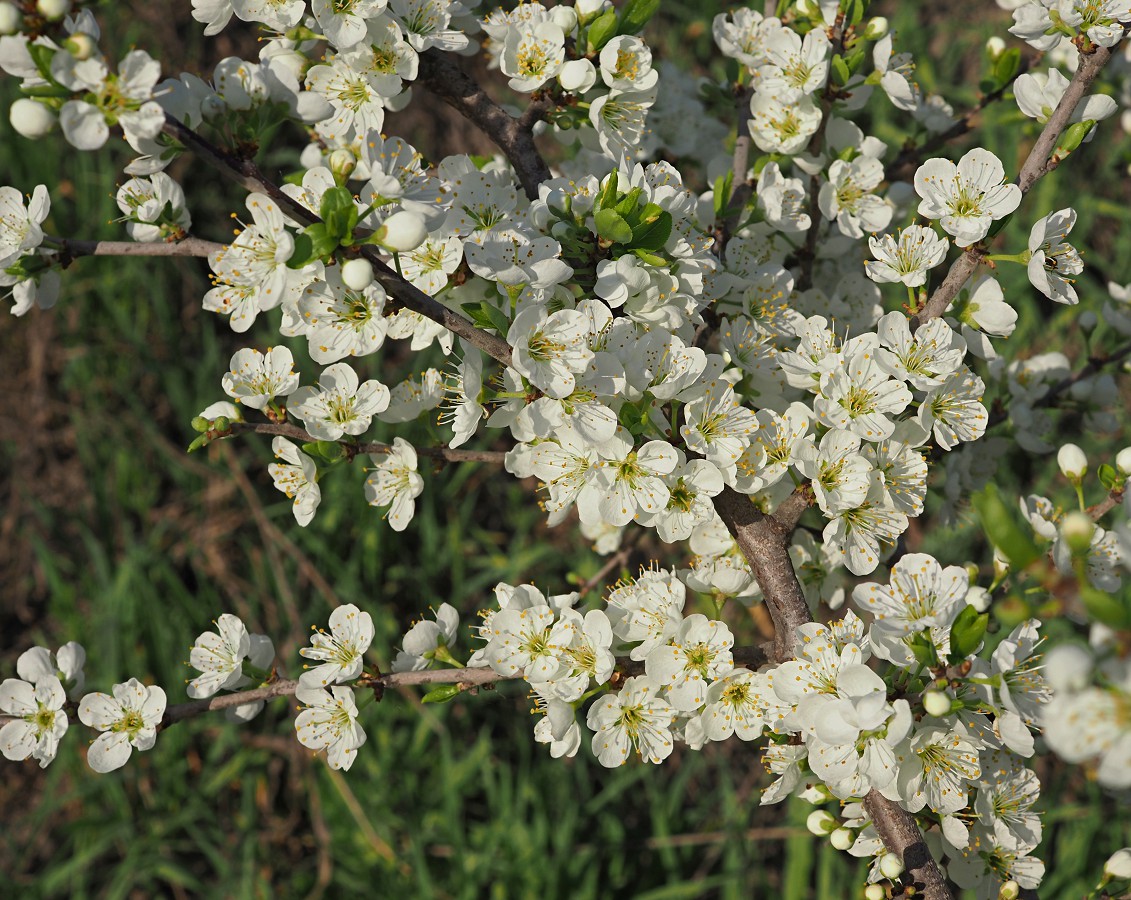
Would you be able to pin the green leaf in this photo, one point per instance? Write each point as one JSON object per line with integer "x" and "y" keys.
{"x": 303, "y": 253}
{"x": 723, "y": 186}
{"x": 495, "y": 316}
{"x": 923, "y": 650}
{"x": 840, "y": 70}
{"x": 612, "y": 227}
{"x": 651, "y": 258}
{"x": 608, "y": 196}
{"x": 635, "y": 15}
{"x": 477, "y": 314}
{"x": 1106, "y": 608}
{"x": 323, "y": 244}
{"x": 1003, "y": 528}
{"x": 603, "y": 30}
{"x": 441, "y": 694}
{"x": 652, "y": 235}
{"x": 966, "y": 633}
{"x": 1109, "y": 477}
{"x": 1072, "y": 138}
{"x": 854, "y": 12}
{"x": 628, "y": 204}
{"x": 1005, "y": 66}
{"x": 338, "y": 212}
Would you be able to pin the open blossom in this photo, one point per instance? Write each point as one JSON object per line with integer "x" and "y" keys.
{"x": 127, "y": 720}
{"x": 255, "y": 379}
{"x": 341, "y": 650}
{"x": 1053, "y": 258}
{"x": 20, "y": 222}
{"x": 297, "y": 477}
{"x": 425, "y": 638}
{"x": 39, "y": 719}
{"x": 550, "y": 349}
{"x": 1039, "y": 93}
{"x": 395, "y": 483}
{"x": 339, "y": 404}
{"x": 699, "y": 653}
{"x": 66, "y": 664}
{"x": 634, "y": 718}
{"x": 219, "y": 657}
{"x": 966, "y": 198}
{"x": 907, "y": 259}
{"x": 328, "y": 721}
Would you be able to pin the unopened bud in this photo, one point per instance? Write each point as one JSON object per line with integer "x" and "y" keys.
{"x": 201, "y": 424}
{"x": 565, "y": 17}
{"x": 357, "y": 274}
{"x": 821, "y": 822}
{"x": 936, "y": 703}
{"x": 842, "y": 838}
{"x": 402, "y": 231}
{"x": 577, "y": 76}
{"x": 1087, "y": 320}
{"x": 978, "y": 597}
{"x": 995, "y": 47}
{"x": 80, "y": 45}
{"x": 588, "y": 10}
{"x": 875, "y": 892}
{"x": 342, "y": 162}
{"x": 10, "y": 18}
{"x": 1010, "y": 890}
{"x": 53, "y": 9}
{"x": 1076, "y": 530}
{"x": 1119, "y": 864}
{"x": 891, "y": 866}
{"x": 877, "y": 27}
{"x": 1072, "y": 461}
{"x": 1123, "y": 462}
{"x": 31, "y": 119}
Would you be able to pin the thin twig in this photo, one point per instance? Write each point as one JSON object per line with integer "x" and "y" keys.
{"x": 70, "y": 249}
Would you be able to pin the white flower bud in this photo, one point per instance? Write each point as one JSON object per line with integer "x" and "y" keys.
{"x": 1076, "y": 530}
{"x": 936, "y": 703}
{"x": 1072, "y": 461}
{"x": 891, "y": 866}
{"x": 1123, "y": 462}
{"x": 577, "y": 76}
{"x": 1010, "y": 890}
{"x": 10, "y": 18}
{"x": 402, "y": 231}
{"x": 80, "y": 45}
{"x": 877, "y": 27}
{"x": 821, "y": 822}
{"x": 1087, "y": 320}
{"x": 842, "y": 839}
{"x": 588, "y": 10}
{"x": 342, "y": 162}
{"x": 31, "y": 119}
{"x": 53, "y": 9}
{"x": 995, "y": 47}
{"x": 875, "y": 892}
{"x": 1119, "y": 864}
{"x": 565, "y": 17}
{"x": 357, "y": 274}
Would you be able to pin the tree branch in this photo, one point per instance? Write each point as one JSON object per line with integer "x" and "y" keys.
{"x": 247, "y": 175}
{"x": 1037, "y": 164}
{"x": 70, "y": 249}
{"x": 901, "y": 836}
{"x": 441, "y": 454}
{"x": 515, "y": 137}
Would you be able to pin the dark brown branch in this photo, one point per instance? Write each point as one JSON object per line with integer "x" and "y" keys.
{"x": 1037, "y": 164}
{"x": 901, "y": 836}
{"x": 247, "y": 175}
{"x": 515, "y": 137}
{"x": 441, "y": 454}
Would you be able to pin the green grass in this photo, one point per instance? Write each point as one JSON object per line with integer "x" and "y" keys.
{"x": 113, "y": 536}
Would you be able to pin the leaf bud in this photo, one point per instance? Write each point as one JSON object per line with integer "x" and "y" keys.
{"x": 821, "y": 822}
{"x": 891, "y": 866}
{"x": 31, "y": 119}
{"x": 1073, "y": 463}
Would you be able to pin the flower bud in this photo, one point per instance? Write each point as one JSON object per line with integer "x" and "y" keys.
{"x": 821, "y": 822}
{"x": 342, "y": 162}
{"x": 936, "y": 703}
{"x": 1119, "y": 864}
{"x": 10, "y": 18}
{"x": 565, "y": 17}
{"x": 53, "y": 9}
{"x": 402, "y": 231}
{"x": 978, "y": 597}
{"x": 877, "y": 27}
{"x": 357, "y": 274}
{"x": 875, "y": 892}
{"x": 1010, "y": 890}
{"x": 842, "y": 838}
{"x": 1076, "y": 530}
{"x": 1087, "y": 320}
{"x": 31, "y": 119}
{"x": 577, "y": 76}
{"x": 80, "y": 45}
{"x": 588, "y": 10}
{"x": 995, "y": 47}
{"x": 1123, "y": 462}
{"x": 1073, "y": 463}
{"x": 891, "y": 866}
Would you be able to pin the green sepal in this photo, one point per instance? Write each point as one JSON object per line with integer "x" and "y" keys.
{"x": 966, "y": 633}
{"x": 442, "y": 694}
{"x": 603, "y": 30}
{"x": 635, "y": 14}
{"x": 612, "y": 227}
{"x": 1004, "y": 530}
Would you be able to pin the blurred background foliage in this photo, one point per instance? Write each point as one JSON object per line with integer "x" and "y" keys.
{"x": 111, "y": 535}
